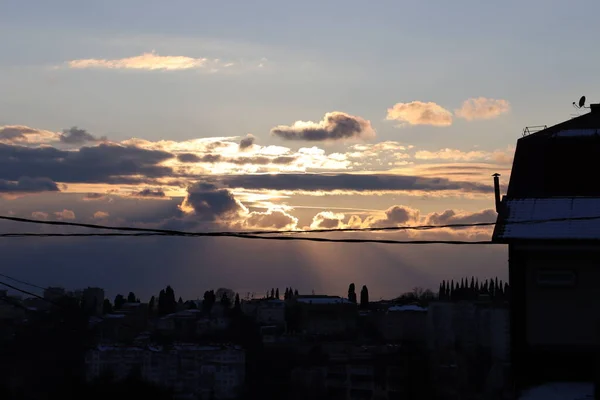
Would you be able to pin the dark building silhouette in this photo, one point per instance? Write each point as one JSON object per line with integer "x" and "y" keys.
{"x": 554, "y": 266}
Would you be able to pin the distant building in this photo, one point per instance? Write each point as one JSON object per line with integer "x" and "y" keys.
{"x": 54, "y": 293}
{"x": 92, "y": 300}
{"x": 554, "y": 266}
{"x": 403, "y": 323}
{"x": 188, "y": 369}
{"x": 325, "y": 315}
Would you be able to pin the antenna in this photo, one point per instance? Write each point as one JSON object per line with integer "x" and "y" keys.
{"x": 581, "y": 103}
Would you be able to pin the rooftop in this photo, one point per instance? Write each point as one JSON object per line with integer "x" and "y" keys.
{"x": 511, "y": 224}
{"x": 559, "y": 160}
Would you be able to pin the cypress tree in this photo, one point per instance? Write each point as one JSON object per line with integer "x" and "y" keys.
{"x": 364, "y": 297}
{"x": 277, "y": 293}
{"x": 352, "y": 293}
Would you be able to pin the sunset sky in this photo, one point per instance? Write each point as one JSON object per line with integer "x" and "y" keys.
{"x": 242, "y": 115}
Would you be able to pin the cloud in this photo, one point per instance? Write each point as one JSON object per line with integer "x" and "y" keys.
{"x": 75, "y": 135}
{"x": 22, "y": 134}
{"x": 394, "y": 216}
{"x": 94, "y": 196}
{"x": 420, "y": 113}
{"x": 482, "y": 108}
{"x": 147, "y": 61}
{"x": 334, "y": 126}
{"x": 158, "y": 193}
{"x": 247, "y": 142}
{"x": 328, "y": 220}
{"x": 461, "y": 217}
{"x": 271, "y": 219}
{"x": 65, "y": 214}
{"x": 105, "y": 163}
{"x": 499, "y": 156}
{"x": 348, "y": 182}
{"x": 39, "y": 215}
{"x": 209, "y": 203}
{"x": 101, "y": 215}
{"x": 28, "y": 185}
{"x": 188, "y": 158}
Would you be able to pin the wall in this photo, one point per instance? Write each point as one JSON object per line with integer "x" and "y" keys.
{"x": 563, "y": 315}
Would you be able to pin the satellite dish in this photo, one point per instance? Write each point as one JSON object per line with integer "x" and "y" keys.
{"x": 582, "y": 101}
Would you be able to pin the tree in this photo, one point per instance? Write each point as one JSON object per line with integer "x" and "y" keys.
{"x": 364, "y": 297}
{"x": 180, "y": 301}
{"x": 119, "y": 301}
{"x": 162, "y": 303}
{"x": 272, "y": 293}
{"x": 170, "y": 303}
{"x": 151, "y": 304}
{"x": 131, "y": 297}
{"x": 106, "y": 307}
{"x": 237, "y": 305}
{"x": 225, "y": 301}
{"x": 277, "y": 293}
{"x": 296, "y": 293}
{"x": 352, "y": 293}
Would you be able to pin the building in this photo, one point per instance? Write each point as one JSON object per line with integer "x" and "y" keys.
{"x": 200, "y": 371}
{"x": 54, "y": 293}
{"x": 553, "y": 265}
{"x": 324, "y": 315}
{"x": 92, "y": 300}
{"x": 265, "y": 311}
{"x": 403, "y": 323}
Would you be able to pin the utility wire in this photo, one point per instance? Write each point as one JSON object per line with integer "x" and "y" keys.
{"x": 259, "y": 237}
{"x": 22, "y": 282}
{"x": 263, "y": 232}
{"x": 259, "y": 234}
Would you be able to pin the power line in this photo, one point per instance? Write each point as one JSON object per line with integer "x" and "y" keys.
{"x": 244, "y": 236}
{"x": 296, "y": 231}
{"x": 138, "y": 232}
{"x": 22, "y": 282}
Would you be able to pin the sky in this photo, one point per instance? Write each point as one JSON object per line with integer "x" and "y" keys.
{"x": 236, "y": 115}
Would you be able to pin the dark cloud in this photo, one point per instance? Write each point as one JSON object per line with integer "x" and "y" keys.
{"x": 105, "y": 163}
{"x": 348, "y": 182}
{"x": 15, "y": 133}
{"x": 28, "y": 185}
{"x": 75, "y": 135}
{"x": 247, "y": 142}
{"x": 217, "y": 158}
{"x": 150, "y": 193}
{"x": 188, "y": 158}
{"x": 461, "y": 217}
{"x": 334, "y": 126}
{"x": 94, "y": 196}
{"x": 210, "y": 203}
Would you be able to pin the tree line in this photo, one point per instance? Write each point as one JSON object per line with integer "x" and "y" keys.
{"x": 473, "y": 289}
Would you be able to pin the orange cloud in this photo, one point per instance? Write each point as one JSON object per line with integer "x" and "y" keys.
{"x": 420, "y": 113}
{"x": 148, "y": 61}
{"x": 65, "y": 214}
{"x": 482, "y": 108}
{"x": 101, "y": 215}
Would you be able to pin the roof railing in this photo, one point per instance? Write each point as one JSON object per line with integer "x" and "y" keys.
{"x": 528, "y": 130}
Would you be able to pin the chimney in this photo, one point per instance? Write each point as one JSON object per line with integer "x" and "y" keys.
{"x": 497, "y": 191}
{"x": 595, "y": 108}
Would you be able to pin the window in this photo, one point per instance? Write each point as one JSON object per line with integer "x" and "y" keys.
{"x": 556, "y": 277}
